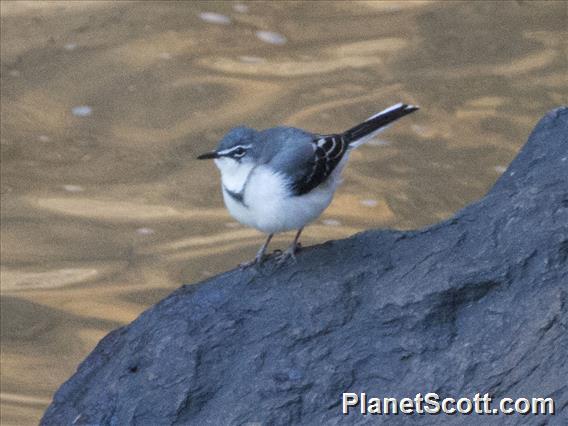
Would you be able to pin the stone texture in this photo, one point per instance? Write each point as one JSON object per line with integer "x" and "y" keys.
{"x": 476, "y": 303}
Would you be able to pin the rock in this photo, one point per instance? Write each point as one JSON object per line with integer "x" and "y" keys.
{"x": 475, "y": 304}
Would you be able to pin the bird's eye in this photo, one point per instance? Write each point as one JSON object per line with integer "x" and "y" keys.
{"x": 239, "y": 152}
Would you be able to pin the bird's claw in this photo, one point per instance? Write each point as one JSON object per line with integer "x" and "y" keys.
{"x": 248, "y": 264}
{"x": 289, "y": 253}
{"x": 257, "y": 261}
{"x": 280, "y": 256}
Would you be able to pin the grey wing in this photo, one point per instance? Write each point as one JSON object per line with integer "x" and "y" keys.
{"x": 314, "y": 162}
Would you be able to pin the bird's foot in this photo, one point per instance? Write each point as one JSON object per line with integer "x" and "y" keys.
{"x": 248, "y": 264}
{"x": 280, "y": 256}
{"x": 260, "y": 255}
{"x": 289, "y": 253}
{"x": 257, "y": 261}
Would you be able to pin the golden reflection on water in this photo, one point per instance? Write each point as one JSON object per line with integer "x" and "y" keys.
{"x": 105, "y": 211}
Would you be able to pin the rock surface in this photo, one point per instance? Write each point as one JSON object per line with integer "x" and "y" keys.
{"x": 474, "y": 304}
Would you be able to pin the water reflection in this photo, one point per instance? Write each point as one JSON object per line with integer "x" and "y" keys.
{"x": 105, "y": 104}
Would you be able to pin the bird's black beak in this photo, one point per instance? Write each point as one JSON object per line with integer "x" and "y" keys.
{"x": 208, "y": 155}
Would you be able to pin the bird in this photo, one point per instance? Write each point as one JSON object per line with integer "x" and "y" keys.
{"x": 282, "y": 178}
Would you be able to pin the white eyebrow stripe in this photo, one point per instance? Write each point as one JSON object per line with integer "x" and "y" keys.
{"x": 228, "y": 151}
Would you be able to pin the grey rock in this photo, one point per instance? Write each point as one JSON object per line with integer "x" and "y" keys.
{"x": 475, "y": 304}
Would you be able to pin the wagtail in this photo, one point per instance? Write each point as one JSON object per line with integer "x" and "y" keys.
{"x": 282, "y": 178}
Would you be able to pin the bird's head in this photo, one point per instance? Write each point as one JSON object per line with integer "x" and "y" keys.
{"x": 236, "y": 146}
{"x": 237, "y": 152}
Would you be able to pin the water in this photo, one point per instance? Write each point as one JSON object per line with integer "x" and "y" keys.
{"x": 105, "y": 106}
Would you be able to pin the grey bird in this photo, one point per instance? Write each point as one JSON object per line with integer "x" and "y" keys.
{"x": 282, "y": 178}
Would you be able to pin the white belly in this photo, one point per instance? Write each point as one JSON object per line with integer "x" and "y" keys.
{"x": 268, "y": 207}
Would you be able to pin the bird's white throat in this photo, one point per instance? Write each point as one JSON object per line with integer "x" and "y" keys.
{"x": 233, "y": 173}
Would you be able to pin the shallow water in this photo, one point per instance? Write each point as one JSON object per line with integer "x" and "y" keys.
{"x": 105, "y": 106}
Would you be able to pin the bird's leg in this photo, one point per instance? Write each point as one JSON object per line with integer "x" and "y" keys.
{"x": 258, "y": 259}
{"x": 290, "y": 252}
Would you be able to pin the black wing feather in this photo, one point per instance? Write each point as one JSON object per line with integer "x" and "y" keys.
{"x": 328, "y": 152}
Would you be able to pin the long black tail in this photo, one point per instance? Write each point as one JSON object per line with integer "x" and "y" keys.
{"x": 361, "y": 133}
